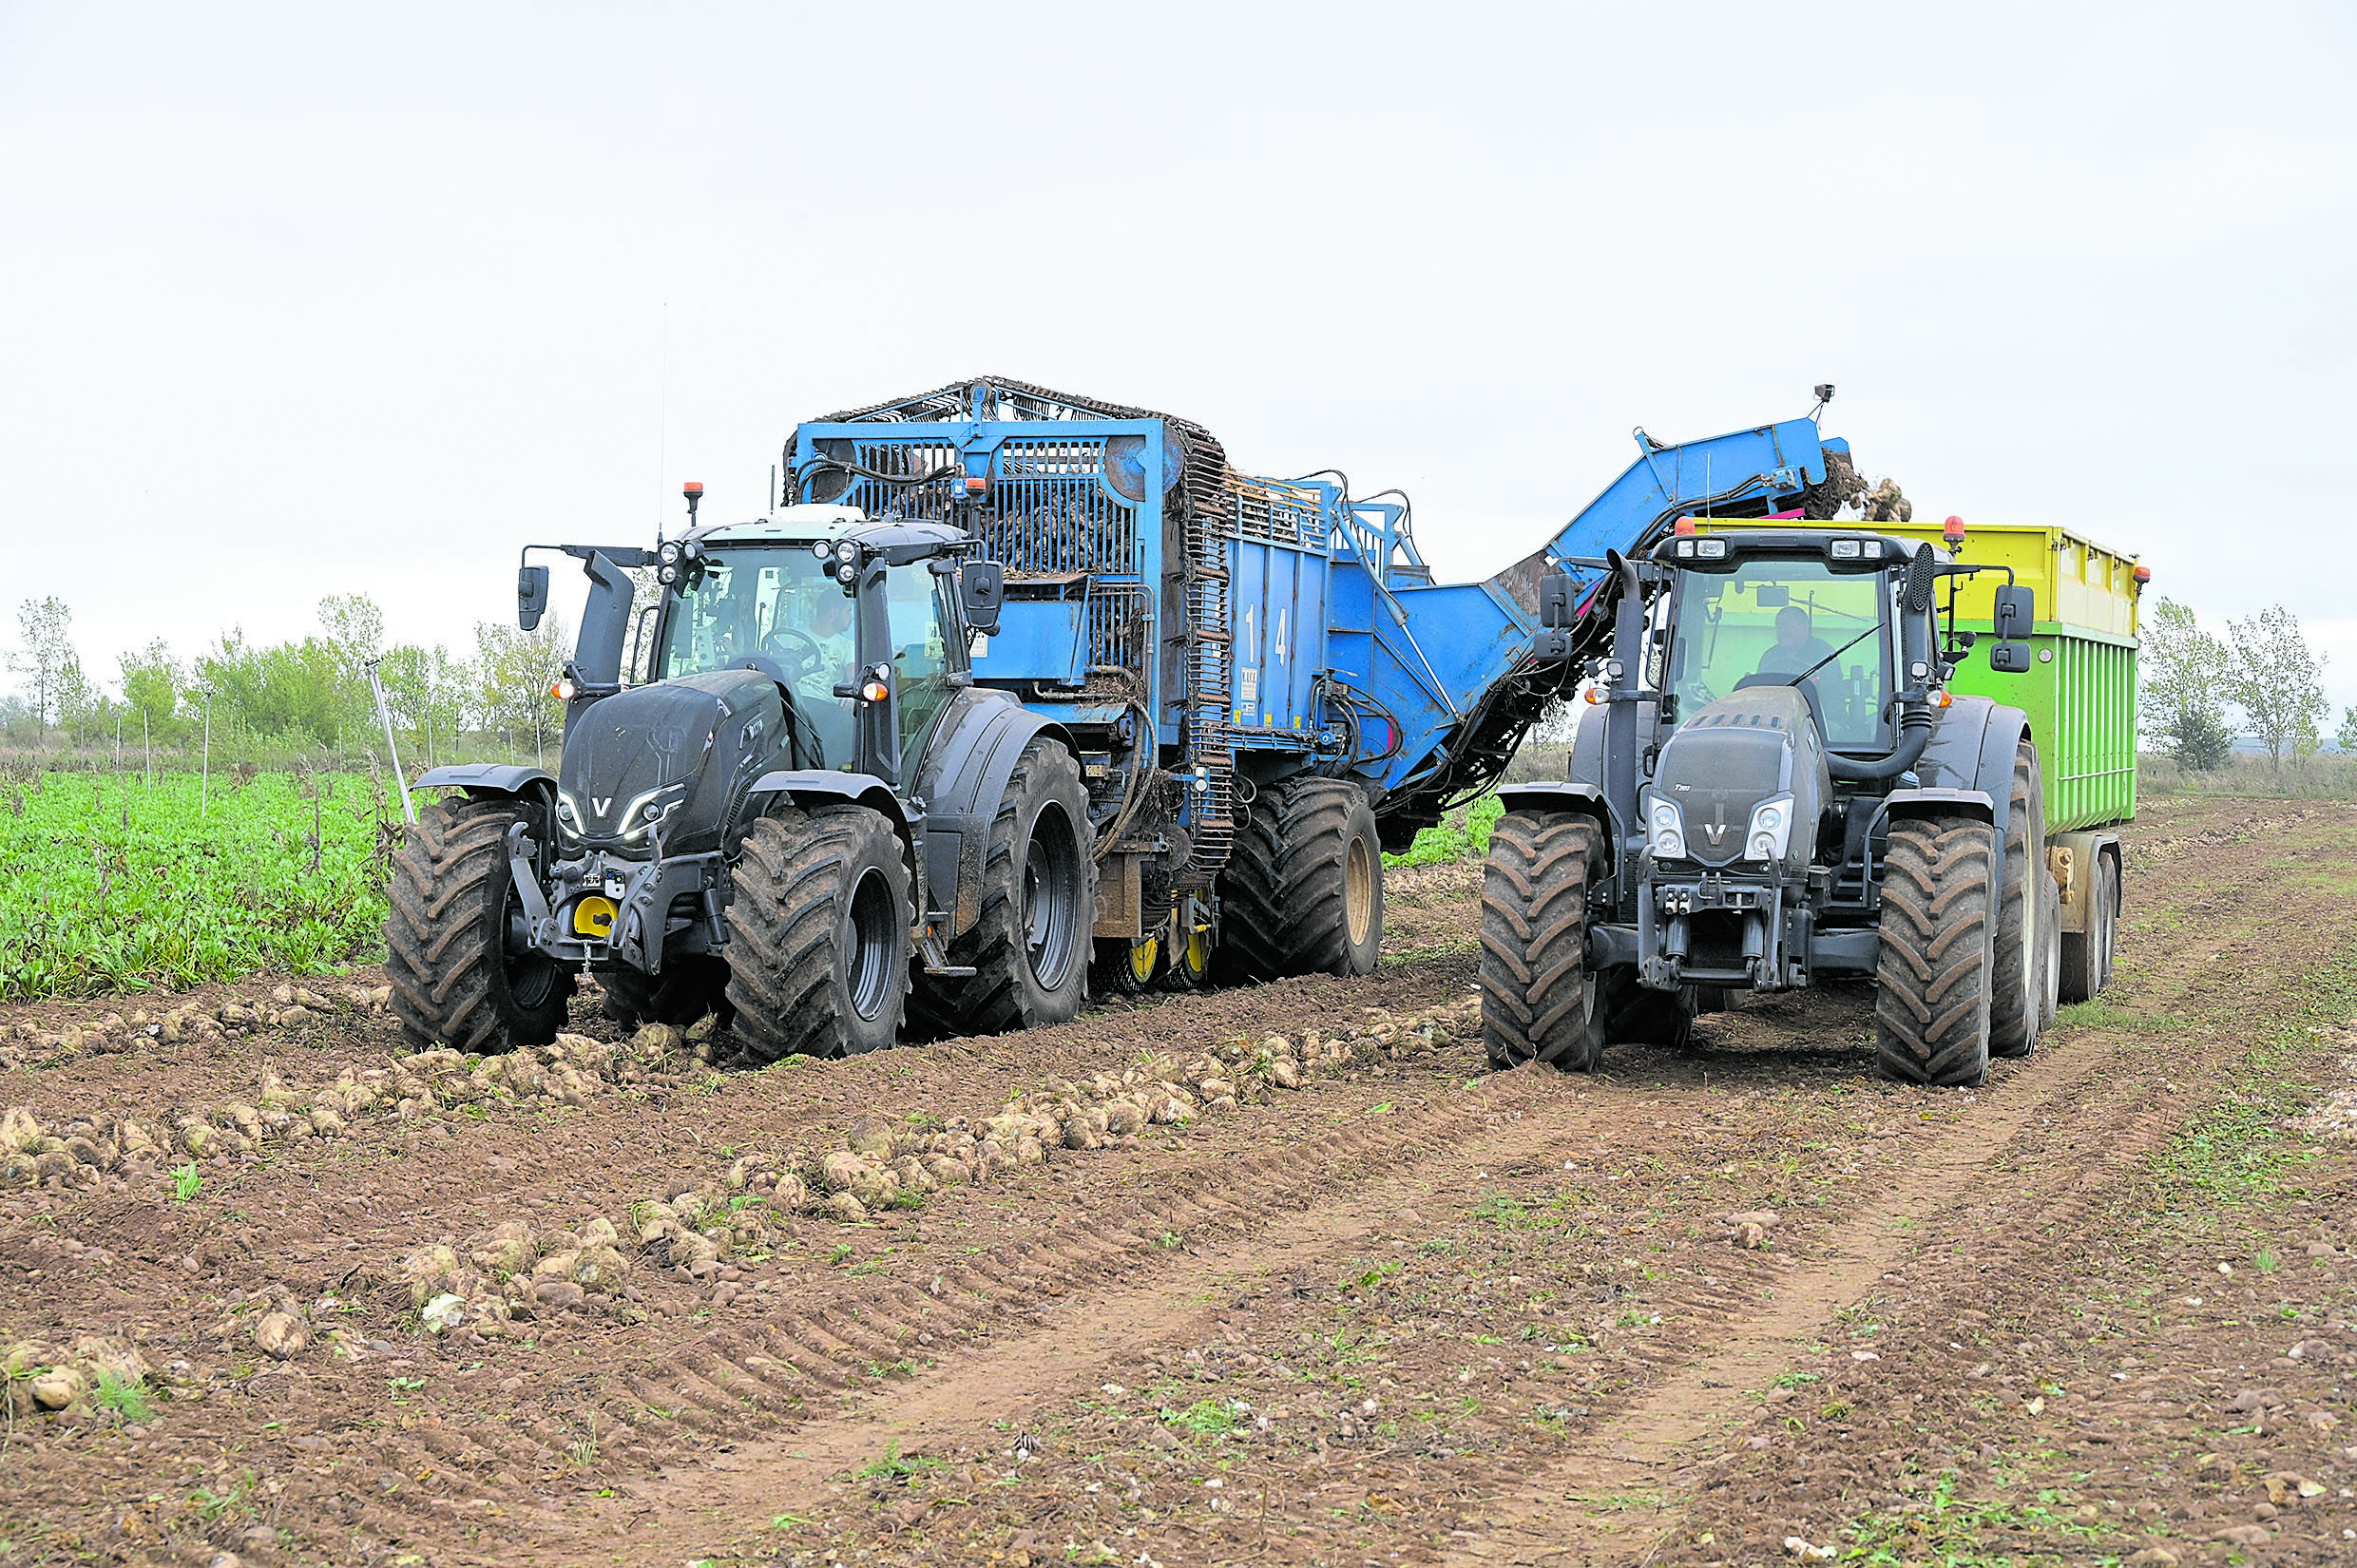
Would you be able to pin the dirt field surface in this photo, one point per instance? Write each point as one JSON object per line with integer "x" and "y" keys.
{"x": 1304, "y": 1283}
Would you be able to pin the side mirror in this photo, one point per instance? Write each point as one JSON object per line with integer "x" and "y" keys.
{"x": 1555, "y": 600}
{"x": 2010, "y": 658}
{"x": 532, "y": 596}
{"x": 982, "y": 588}
{"x": 1551, "y": 647}
{"x": 2017, "y": 610}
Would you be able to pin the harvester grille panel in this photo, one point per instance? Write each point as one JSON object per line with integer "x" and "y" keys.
{"x": 1050, "y": 512}
{"x": 1120, "y": 627}
{"x": 1283, "y": 514}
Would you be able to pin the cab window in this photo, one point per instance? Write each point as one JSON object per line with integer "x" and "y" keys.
{"x": 777, "y": 610}
{"x": 917, "y": 602}
{"x": 1770, "y": 621}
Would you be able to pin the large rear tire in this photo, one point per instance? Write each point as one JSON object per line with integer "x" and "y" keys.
{"x": 1934, "y": 969}
{"x": 818, "y": 934}
{"x": 1540, "y": 1003}
{"x": 2018, "y": 994}
{"x": 1029, "y": 949}
{"x": 1303, "y": 889}
{"x": 454, "y": 935}
{"x": 2087, "y": 955}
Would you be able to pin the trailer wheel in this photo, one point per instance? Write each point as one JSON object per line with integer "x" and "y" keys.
{"x": 1188, "y": 966}
{"x": 454, "y": 936}
{"x": 691, "y": 986}
{"x": 2087, "y": 955}
{"x": 2017, "y": 1001}
{"x": 2050, "y": 959}
{"x": 1540, "y": 1001}
{"x": 1934, "y": 968}
{"x": 1129, "y": 969}
{"x": 818, "y": 934}
{"x": 1303, "y": 889}
{"x": 1029, "y": 949}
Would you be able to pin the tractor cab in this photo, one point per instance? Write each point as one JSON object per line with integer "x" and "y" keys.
{"x": 858, "y": 623}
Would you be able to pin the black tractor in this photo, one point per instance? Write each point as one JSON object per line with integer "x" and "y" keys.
{"x": 804, "y": 798}
{"x": 1771, "y": 787}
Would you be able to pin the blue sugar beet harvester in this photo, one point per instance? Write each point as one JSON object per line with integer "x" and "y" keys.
{"x": 1014, "y": 688}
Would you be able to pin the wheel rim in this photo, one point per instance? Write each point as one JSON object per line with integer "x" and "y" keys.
{"x": 1051, "y": 897}
{"x": 1142, "y": 959}
{"x": 1358, "y": 891}
{"x": 866, "y": 942}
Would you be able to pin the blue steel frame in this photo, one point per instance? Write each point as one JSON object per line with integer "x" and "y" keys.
{"x": 1346, "y": 656}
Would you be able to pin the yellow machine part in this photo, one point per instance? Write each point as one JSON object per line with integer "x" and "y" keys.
{"x": 594, "y": 916}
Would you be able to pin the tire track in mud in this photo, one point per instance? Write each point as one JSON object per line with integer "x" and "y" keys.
{"x": 739, "y": 1384}
{"x": 1645, "y": 1432}
{"x": 1659, "y": 1444}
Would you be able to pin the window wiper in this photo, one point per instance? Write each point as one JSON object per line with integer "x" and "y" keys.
{"x": 1835, "y": 653}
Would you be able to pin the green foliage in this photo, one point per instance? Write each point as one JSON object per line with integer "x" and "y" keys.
{"x": 187, "y": 1181}
{"x": 2199, "y": 739}
{"x": 1462, "y": 835}
{"x": 1204, "y": 1418}
{"x": 2277, "y": 680}
{"x": 894, "y": 1465}
{"x": 127, "y": 1397}
{"x": 106, "y": 885}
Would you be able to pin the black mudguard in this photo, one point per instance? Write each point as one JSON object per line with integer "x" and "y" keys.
{"x": 481, "y": 780}
{"x": 1971, "y": 749}
{"x": 964, "y": 774}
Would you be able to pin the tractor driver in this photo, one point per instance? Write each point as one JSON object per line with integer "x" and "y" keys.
{"x": 1797, "y": 649}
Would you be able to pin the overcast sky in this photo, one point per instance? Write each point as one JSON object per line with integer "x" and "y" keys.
{"x": 317, "y": 298}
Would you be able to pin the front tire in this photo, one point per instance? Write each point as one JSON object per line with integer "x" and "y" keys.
{"x": 1303, "y": 889}
{"x": 1933, "y": 970}
{"x": 454, "y": 950}
{"x": 818, "y": 934}
{"x": 1540, "y": 1002}
{"x": 1029, "y": 949}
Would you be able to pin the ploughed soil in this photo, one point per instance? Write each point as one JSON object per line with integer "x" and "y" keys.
{"x": 1739, "y": 1303}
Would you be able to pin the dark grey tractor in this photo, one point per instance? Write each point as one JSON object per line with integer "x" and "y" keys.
{"x": 805, "y": 816}
{"x": 1771, "y": 787}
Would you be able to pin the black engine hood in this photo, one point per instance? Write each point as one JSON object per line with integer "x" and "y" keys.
{"x": 683, "y": 748}
{"x": 1731, "y": 755}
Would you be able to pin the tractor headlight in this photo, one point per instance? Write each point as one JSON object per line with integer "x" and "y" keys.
{"x": 651, "y": 806}
{"x": 1770, "y": 831}
{"x": 669, "y": 553}
{"x": 568, "y": 812}
{"x": 1666, "y": 829}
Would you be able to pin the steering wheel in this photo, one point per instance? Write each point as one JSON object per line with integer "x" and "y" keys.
{"x": 763, "y": 664}
{"x": 794, "y": 645}
{"x": 1695, "y": 693}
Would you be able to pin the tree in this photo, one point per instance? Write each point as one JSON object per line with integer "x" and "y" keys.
{"x": 2198, "y": 741}
{"x": 2187, "y": 679}
{"x": 2276, "y": 678}
{"x": 152, "y": 681}
{"x": 48, "y": 657}
{"x": 514, "y": 671}
{"x": 2346, "y": 738}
